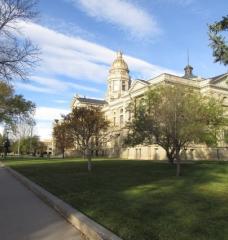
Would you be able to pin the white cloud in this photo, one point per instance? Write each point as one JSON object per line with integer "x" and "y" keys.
{"x": 49, "y": 114}
{"x": 124, "y": 14}
{"x": 44, "y": 117}
{"x": 30, "y": 87}
{"x": 80, "y": 59}
{"x": 60, "y": 86}
{"x": 60, "y": 101}
{"x": 43, "y": 129}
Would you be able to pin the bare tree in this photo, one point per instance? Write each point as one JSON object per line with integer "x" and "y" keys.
{"x": 23, "y": 129}
{"x": 17, "y": 54}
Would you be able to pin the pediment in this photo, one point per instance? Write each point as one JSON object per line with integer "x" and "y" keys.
{"x": 138, "y": 84}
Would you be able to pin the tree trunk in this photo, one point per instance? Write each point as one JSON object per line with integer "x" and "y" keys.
{"x": 170, "y": 156}
{"x": 171, "y": 160}
{"x": 217, "y": 152}
{"x": 178, "y": 170}
{"x": 5, "y": 154}
{"x": 63, "y": 153}
{"x": 89, "y": 159}
{"x": 89, "y": 163}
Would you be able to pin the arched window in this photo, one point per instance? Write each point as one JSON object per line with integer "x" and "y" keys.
{"x": 123, "y": 86}
{"x": 114, "y": 118}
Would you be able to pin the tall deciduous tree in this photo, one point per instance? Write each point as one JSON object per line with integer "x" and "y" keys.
{"x": 21, "y": 130}
{"x": 28, "y": 145}
{"x": 218, "y": 41}
{"x": 17, "y": 54}
{"x": 89, "y": 129}
{"x": 174, "y": 117}
{"x": 62, "y": 135}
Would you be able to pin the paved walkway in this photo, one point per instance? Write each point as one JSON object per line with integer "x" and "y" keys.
{"x": 23, "y": 216}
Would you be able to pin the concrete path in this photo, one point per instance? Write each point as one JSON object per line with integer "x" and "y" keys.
{"x": 23, "y": 216}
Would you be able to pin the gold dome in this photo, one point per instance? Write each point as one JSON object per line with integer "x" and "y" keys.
{"x": 119, "y": 62}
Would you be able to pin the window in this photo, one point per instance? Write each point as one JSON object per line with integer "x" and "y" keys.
{"x": 123, "y": 86}
{"x": 138, "y": 153}
{"x": 121, "y": 120}
{"x": 121, "y": 117}
{"x": 226, "y": 136}
{"x": 115, "y": 86}
{"x": 114, "y": 118}
{"x": 129, "y": 116}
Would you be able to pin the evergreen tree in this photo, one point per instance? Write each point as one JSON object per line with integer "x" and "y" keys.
{"x": 218, "y": 42}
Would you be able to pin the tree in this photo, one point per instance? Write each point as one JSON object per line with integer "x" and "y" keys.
{"x": 63, "y": 138}
{"x": 174, "y": 117}
{"x": 13, "y": 107}
{"x": 217, "y": 42}
{"x": 89, "y": 129}
{"x": 1, "y": 143}
{"x": 17, "y": 54}
{"x": 29, "y": 145}
{"x": 6, "y": 141}
{"x": 23, "y": 129}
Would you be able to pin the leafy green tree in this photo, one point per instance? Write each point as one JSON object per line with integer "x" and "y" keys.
{"x": 63, "y": 137}
{"x": 29, "y": 145}
{"x": 89, "y": 129}
{"x": 13, "y": 107}
{"x": 218, "y": 42}
{"x": 174, "y": 117}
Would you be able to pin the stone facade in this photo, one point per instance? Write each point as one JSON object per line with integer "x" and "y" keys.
{"x": 122, "y": 90}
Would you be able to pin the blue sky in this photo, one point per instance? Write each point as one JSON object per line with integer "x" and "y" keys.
{"x": 78, "y": 40}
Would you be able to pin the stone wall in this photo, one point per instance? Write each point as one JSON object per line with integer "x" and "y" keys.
{"x": 155, "y": 152}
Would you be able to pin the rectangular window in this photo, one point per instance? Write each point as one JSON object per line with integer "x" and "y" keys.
{"x": 226, "y": 136}
{"x": 115, "y": 86}
{"x": 121, "y": 120}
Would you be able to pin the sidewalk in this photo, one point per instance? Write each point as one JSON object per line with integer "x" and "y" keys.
{"x": 23, "y": 216}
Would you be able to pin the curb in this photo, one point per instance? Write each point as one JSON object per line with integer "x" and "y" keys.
{"x": 91, "y": 229}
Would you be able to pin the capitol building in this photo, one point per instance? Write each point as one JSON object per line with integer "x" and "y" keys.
{"x": 122, "y": 90}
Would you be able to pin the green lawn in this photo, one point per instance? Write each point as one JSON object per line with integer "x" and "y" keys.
{"x": 141, "y": 200}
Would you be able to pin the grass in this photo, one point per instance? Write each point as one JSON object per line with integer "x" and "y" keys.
{"x": 140, "y": 200}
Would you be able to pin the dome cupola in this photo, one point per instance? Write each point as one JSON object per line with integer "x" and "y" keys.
{"x": 119, "y": 80}
{"x": 119, "y": 63}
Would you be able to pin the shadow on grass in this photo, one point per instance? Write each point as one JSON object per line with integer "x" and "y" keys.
{"x": 142, "y": 200}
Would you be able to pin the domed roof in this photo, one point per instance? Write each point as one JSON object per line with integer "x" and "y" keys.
{"x": 119, "y": 62}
